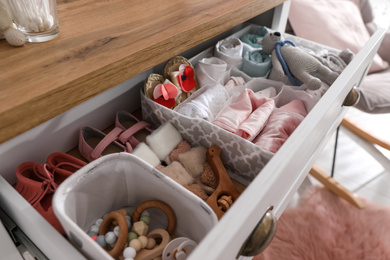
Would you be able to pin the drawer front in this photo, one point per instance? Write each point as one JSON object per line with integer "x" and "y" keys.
{"x": 283, "y": 174}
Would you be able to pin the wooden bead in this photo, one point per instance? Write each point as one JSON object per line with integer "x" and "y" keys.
{"x": 143, "y": 240}
{"x": 131, "y": 236}
{"x": 145, "y": 219}
{"x": 151, "y": 243}
{"x": 140, "y": 228}
{"x": 136, "y": 244}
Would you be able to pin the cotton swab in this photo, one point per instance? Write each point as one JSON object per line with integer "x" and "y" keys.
{"x": 32, "y": 15}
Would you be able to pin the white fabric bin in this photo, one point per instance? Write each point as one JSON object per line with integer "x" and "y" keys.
{"x": 122, "y": 180}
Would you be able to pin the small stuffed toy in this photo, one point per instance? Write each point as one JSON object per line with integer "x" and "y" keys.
{"x": 299, "y": 66}
{"x": 7, "y": 31}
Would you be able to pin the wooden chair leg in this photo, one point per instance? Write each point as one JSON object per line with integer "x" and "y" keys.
{"x": 364, "y": 134}
{"x": 336, "y": 187}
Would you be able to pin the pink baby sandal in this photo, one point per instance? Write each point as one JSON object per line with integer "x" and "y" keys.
{"x": 134, "y": 130}
{"x": 94, "y": 143}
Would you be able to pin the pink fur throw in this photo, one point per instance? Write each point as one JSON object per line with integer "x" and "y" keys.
{"x": 325, "y": 227}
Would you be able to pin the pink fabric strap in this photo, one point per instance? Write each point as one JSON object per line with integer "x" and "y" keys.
{"x": 106, "y": 141}
{"x": 127, "y": 135}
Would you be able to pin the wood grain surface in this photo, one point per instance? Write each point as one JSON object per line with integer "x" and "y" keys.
{"x": 101, "y": 44}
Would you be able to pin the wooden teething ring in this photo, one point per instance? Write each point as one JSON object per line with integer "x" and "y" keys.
{"x": 159, "y": 205}
{"x": 122, "y": 237}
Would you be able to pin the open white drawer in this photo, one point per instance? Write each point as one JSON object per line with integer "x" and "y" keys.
{"x": 273, "y": 186}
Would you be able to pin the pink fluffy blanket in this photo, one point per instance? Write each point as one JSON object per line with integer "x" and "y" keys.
{"x": 323, "y": 227}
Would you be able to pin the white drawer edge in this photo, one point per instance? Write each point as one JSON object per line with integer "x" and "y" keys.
{"x": 285, "y": 172}
{"x": 35, "y": 226}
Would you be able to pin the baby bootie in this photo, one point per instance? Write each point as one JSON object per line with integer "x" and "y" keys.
{"x": 62, "y": 165}
{"x": 37, "y": 186}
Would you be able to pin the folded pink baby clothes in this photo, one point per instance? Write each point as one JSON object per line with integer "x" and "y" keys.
{"x": 296, "y": 106}
{"x": 246, "y": 114}
{"x": 281, "y": 124}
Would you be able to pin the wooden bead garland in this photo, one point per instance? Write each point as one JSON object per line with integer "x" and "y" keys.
{"x": 114, "y": 232}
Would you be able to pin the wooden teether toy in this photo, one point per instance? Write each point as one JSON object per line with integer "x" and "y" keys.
{"x": 225, "y": 193}
{"x": 157, "y": 234}
{"x": 122, "y": 236}
{"x": 159, "y": 205}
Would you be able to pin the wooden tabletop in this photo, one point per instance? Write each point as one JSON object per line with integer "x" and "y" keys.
{"x": 101, "y": 44}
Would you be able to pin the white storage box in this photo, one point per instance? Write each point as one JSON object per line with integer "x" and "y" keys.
{"x": 122, "y": 180}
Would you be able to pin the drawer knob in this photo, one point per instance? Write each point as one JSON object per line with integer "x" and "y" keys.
{"x": 352, "y": 98}
{"x": 261, "y": 236}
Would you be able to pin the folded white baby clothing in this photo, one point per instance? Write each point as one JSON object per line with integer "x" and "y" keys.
{"x": 205, "y": 105}
{"x": 211, "y": 71}
{"x": 230, "y": 50}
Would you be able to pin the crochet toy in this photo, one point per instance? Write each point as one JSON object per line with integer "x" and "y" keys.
{"x": 13, "y": 36}
{"x": 299, "y": 66}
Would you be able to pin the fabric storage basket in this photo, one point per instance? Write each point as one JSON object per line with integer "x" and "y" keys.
{"x": 122, "y": 180}
{"x": 242, "y": 158}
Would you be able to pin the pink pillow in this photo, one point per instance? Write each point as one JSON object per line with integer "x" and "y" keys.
{"x": 335, "y": 23}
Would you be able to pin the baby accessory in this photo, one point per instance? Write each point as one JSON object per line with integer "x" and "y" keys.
{"x": 163, "y": 140}
{"x": 230, "y": 50}
{"x": 246, "y": 115}
{"x": 134, "y": 130}
{"x": 225, "y": 193}
{"x": 178, "y": 173}
{"x": 37, "y": 183}
{"x": 182, "y": 147}
{"x": 256, "y": 63}
{"x": 295, "y": 63}
{"x": 94, "y": 143}
{"x": 162, "y": 90}
{"x": 144, "y": 152}
{"x": 176, "y": 85}
{"x": 13, "y": 36}
{"x": 118, "y": 233}
{"x": 178, "y": 249}
{"x": 127, "y": 134}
